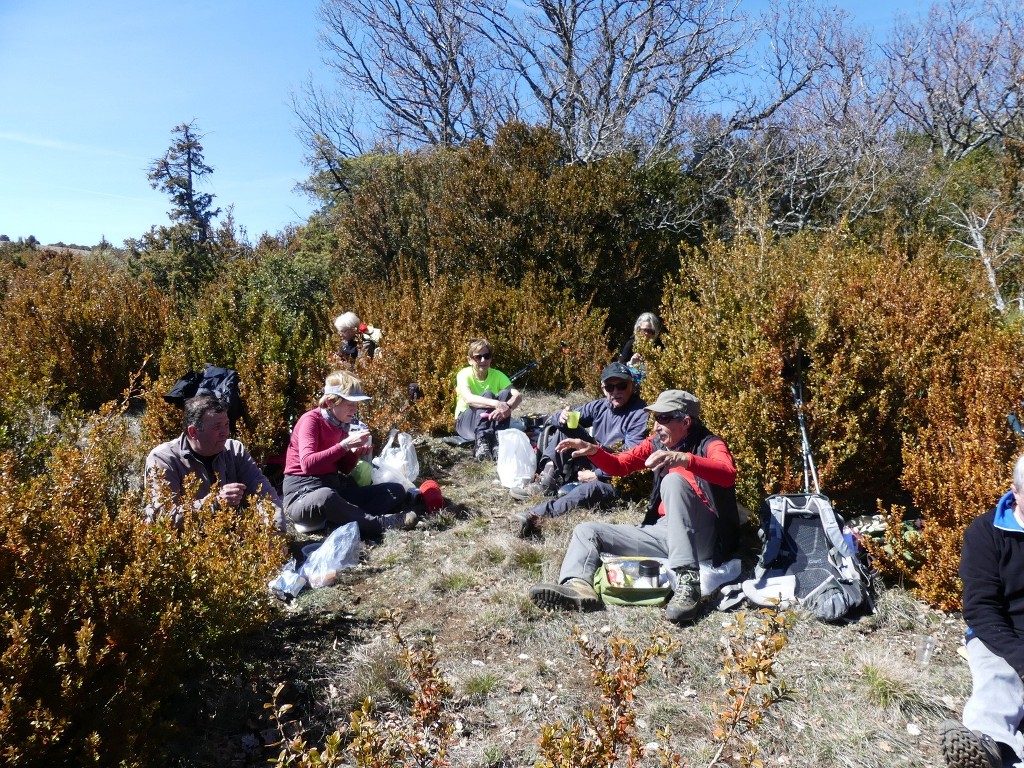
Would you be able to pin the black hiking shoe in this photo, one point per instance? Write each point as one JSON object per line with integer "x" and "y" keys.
{"x": 526, "y": 524}
{"x": 686, "y": 599}
{"x": 964, "y": 748}
{"x": 547, "y": 480}
{"x": 573, "y": 595}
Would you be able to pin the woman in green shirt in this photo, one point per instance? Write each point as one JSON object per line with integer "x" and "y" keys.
{"x": 485, "y": 401}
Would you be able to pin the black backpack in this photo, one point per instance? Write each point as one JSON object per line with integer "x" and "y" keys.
{"x": 222, "y": 383}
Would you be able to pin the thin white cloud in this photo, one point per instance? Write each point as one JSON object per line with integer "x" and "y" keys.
{"x": 100, "y": 193}
{"x": 62, "y": 146}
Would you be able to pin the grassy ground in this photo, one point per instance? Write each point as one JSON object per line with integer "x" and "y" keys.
{"x": 462, "y": 578}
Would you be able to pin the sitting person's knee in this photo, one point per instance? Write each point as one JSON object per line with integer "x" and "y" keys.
{"x": 674, "y": 483}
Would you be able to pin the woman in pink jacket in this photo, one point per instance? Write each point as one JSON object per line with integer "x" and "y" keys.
{"x": 322, "y": 452}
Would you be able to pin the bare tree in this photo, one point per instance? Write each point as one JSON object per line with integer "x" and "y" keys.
{"x": 614, "y": 74}
{"x": 960, "y": 73}
{"x": 607, "y": 75}
{"x": 990, "y": 240}
{"x": 419, "y": 64}
{"x": 823, "y": 145}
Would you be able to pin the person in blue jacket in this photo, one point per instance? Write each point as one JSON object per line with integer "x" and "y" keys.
{"x": 992, "y": 572}
{"x": 617, "y": 418}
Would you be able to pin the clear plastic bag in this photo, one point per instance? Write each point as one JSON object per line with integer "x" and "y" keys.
{"x": 288, "y": 583}
{"x": 517, "y": 461}
{"x": 400, "y": 454}
{"x": 340, "y": 550}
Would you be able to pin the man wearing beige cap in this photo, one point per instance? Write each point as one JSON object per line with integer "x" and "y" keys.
{"x": 691, "y": 518}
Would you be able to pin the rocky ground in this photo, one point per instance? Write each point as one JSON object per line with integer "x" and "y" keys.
{"x": 859, "y": 695}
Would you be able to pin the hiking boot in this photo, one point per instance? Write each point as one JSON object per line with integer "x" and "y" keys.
{"x": 482, "y": 451}
{"x": 548, "y": 480}
{"x": 686, "y": 599}
{"x": 964, "y": 748}
{"x": 528, "y": 491}
{"x": 405, "y": 521}
{"x": 494, "y": 447}
{"x": 573, "y": 595}
{"x": 526, "y": 524}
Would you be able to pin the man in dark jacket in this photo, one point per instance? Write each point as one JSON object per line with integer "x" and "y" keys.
{"x": 617, "y": 419}
{"x": 992, "y": 572}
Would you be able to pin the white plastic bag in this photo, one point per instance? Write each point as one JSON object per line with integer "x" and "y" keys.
{"x": 517, "y": 461}
{"x": 340, "y": 550}
{"x": 400, "y": 454}
{"x": 384, "y": 473}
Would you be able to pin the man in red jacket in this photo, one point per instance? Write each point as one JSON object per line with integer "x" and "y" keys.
{"x": 692, "y": 516}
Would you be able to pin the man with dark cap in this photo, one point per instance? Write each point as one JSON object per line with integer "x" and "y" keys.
{"x": 692, "y": 516}
{"x": 617, "y": 418}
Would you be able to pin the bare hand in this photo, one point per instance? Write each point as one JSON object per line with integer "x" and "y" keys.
{"x": 586, "y": 476}
{"x": 667, "y": 459}
{"x": 501, "y": 411}
{"x": 563, "y": 416}
{"x": 357, "y": 441}
{"x": 578, "y": 447}
{"x": 231, "y": 494}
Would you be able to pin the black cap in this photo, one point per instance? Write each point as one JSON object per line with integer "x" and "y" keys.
{"x": 616, "y": 371}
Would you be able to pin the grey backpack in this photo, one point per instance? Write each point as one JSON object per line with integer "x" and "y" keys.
{"x": 807, "y": 560}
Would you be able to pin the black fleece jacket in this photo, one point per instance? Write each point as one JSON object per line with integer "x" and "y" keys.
{"x": 992, "y": 571}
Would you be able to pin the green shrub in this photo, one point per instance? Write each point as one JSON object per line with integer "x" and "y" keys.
{"x": 500, "y": 211}
{"x": 101, "y": 614}
{"x": 266, "y": 319}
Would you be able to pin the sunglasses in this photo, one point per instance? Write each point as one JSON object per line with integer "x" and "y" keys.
{"x": 665, "y": 418}
{"x": 611, "y": 386}
{"x": 481, "y": 357}
{"x": 646, "y": 330}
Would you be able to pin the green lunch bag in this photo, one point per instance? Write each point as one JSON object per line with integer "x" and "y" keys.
{"x": 615, "y": 582}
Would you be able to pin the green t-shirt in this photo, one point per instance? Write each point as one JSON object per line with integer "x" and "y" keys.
{"x": 495, "y": 382}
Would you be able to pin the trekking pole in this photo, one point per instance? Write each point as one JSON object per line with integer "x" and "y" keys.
{"x": 810, "y": 473}
{"x": 562, "y": 347}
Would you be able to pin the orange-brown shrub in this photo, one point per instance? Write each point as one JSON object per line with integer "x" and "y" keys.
{"x": 249, "y": 319}
{"x": 75, "y": 327}
{"x": 428, "y": 320}
{"x": 900, "y": 348}
{"x": 101, "y": 614}
{"x": 960, "y": 462}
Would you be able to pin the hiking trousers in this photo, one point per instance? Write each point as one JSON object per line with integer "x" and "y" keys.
{"x": 996, "y": 705}
{"x": 683, "y": 537}
{"x": 471, "y": 424}
{"x": 583, "y": 496}
{"x": 314, "y": 499}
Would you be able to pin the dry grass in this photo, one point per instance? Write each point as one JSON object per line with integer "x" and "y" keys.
{"x": 860, "y": 699}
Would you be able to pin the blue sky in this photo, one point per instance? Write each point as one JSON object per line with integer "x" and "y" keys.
{"x": 91, "y": 91}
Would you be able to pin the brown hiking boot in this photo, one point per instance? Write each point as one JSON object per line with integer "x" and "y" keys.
{"x": 573, "y": 595}
{"x": 964, "y": 748}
